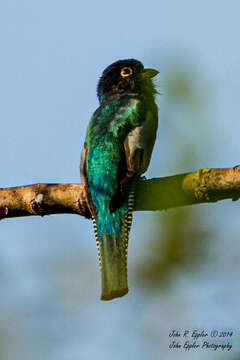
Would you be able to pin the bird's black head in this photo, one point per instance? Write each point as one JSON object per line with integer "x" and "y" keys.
{"x": 126, "y": 77}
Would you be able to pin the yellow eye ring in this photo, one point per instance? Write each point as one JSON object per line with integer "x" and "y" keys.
{"x": 126, "y": 71}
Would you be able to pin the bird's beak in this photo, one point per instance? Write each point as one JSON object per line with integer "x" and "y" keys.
{"x": 150, "y": 73}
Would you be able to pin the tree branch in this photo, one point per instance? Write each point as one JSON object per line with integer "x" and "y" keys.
{"x": 202, "y": 186}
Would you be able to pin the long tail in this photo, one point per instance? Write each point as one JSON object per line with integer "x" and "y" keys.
{"x": 112, "y": 255}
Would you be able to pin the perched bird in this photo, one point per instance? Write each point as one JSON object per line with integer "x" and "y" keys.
{"x": 118, "y": 147}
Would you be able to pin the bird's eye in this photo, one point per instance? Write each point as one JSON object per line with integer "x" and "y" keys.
{"x": 126, "y": 71}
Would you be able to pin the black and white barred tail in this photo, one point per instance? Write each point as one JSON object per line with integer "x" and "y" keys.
{"x": 113, "y": 254}
{"x": 97, "y": 241}
{"x": 128, "y": 220}
{"x": 126, "y": 226}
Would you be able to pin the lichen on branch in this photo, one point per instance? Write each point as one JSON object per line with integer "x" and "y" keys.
{"x": 202, "y": 186}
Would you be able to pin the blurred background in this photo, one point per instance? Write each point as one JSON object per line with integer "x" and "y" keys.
{"x": 183, "y": 263}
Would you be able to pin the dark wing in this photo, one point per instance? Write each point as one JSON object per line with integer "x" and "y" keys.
{"x": 138, "y": 146}
{"x": 83, "y": 173}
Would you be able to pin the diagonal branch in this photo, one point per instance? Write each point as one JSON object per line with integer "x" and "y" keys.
{"x": 202, "y": 186}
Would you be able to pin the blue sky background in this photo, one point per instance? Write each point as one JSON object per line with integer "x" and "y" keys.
{"x": 52, "y": 54}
